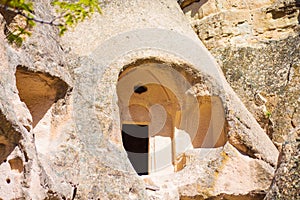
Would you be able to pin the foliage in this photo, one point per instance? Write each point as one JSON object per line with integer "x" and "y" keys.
{"x": 69, "y": 15}
{"x": 19, "y": 31}
{"x": 26, "y": 7}
{"x": 72, "y": 13}
{"x": 268, "y": 114}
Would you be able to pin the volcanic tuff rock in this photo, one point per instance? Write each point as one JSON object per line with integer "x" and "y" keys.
{"x": 242, "y": 23}
{"x": 221, "y": 169}
{"x": 60, "y": 132}
{"x": 286, "y": 183}
{"x": 267, "y": 79}
{"x": 256, "y": 44}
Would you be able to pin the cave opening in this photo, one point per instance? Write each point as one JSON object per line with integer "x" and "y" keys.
{"x": 39, "y": 91}
{"x": 160, "y": 120}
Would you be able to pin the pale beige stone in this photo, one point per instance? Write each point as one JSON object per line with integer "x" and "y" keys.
{"x": 64, "y": 140}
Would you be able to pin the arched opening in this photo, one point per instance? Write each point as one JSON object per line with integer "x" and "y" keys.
{"x": 161, "y": 118}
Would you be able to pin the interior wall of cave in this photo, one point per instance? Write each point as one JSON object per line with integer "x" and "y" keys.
{"x": 39, "y": 91}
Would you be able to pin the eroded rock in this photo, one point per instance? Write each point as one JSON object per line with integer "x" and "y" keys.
{"x": 214, "y": 174}
{"x": 70, "y": 144}
{"x": 240, "y": 23}
{"x": 286, "y": 184}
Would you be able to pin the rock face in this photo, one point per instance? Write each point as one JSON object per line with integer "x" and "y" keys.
{"x": 64, "y": 103}
{"x": 257, "y": 47}
{"x": 221, "y": 169}
{"x": 239, "y": 23}
{"x": 286, "y": 183}
{"x": 267, "y": 79}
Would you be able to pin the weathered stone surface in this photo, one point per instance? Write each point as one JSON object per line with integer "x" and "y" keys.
{"x": 185, "y": 3}
{"x": 72, "y": 149}
{"x": 258, "y": 64}
{"x": 137, "y": 23}
{"x": 15, "y": 126}
{"x": 101, "y": 52}
{"x": 240, "y": 23}
{"x": 272, "y": 72}
{"x": 22, "y": 175}
{"x": 214, "y": 174}
{"x": 286, "y": 183}
{"x": 256, "y": 44}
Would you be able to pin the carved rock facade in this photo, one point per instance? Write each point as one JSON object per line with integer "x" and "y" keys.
{"x": 64, "y": 102}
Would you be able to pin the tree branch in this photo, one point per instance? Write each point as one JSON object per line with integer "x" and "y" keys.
{"x": 20, "y": 12}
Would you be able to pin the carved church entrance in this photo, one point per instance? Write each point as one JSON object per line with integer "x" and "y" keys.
{"x": 161, "y": 119}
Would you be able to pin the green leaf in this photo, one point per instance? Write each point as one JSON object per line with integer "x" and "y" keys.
{"x": 71, "y": 12}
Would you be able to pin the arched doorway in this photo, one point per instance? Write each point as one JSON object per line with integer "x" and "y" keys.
{"x": 160, "y": 119}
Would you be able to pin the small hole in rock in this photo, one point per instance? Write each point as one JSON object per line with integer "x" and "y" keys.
{"x": 140, "y": 89}
{"x": 8, "y": 181}
{"x": 16, "y": 164}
